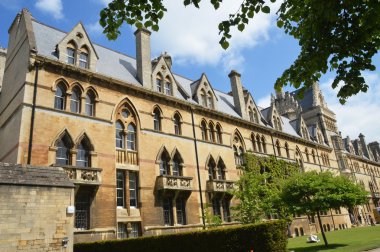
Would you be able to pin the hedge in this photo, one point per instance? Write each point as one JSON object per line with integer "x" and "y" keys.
{"x": 264, "y": 237}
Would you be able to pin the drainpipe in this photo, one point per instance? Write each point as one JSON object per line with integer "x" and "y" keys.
{"x": 198, "y": 172}
{"x": 33, "y": 114}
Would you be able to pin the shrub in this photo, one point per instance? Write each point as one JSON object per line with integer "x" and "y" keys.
{"x": 264, "y": 237}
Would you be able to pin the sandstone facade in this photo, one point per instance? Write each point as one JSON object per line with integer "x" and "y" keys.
{"x": 147, "y": 148}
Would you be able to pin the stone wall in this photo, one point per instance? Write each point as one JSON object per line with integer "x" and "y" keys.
{"x": 33, "y": 209}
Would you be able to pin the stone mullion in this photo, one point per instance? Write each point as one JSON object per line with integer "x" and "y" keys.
{"x": 73, "y": 156}
{"x": 174, "y": 210}
{"x": 82, "y": 104}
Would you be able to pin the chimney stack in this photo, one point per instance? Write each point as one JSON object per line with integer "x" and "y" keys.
{"x": 364, "y": 145}
{"x": 237, "y": 93}
{"x": 143, "y": 60}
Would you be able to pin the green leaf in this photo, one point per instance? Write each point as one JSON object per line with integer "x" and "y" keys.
{"x": 155, "y": 27}
{"x": 265, "y": 9}
{"x": 225, "y": 45}
{"x": 241, "y": 27}
{"x": 280, "y": 23}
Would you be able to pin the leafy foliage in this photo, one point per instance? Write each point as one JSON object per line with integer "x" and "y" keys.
{"x": 312, "y": 192}
{"x": 341, "y": 36}
{"x": 264, "y": 237}
{"x": 211, "y": 220}
{"x": 259, "y": 188}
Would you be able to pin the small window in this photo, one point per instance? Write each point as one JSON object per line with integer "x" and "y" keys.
{"x": 90, "y": 104}
{"x": 133, "y": 189}
{"x": 157, "y": 119}
{"x": 83, "y": 60}
{"x": 122, "y": 230}
{"x": 211, "y": 169}
{"x": 63, "y": 153}
{"x": 168, "y": 211}
{"x": 120, "y": 188}
{"x": 221, "y": 174}
{"x": 119, "y": 135}
{"x": 168, "y": 89}
{"x": 164, "y": 163}
{"x": 287, "y": 150}
{"x": 177, "y": 165}
{"x": 70, "y": 56}
{"x": 177, "y": 125}
{"x": 135, "y": 232}
{"x": 219, "y": 138}
{"x": 181, "y": 211}
{"x": 159, "y": 85}
{"x": 83, "y": 156}
{"x": 278, "y": 146}
{"x": 203, "y": 98}
{"x": 131, "y": 137}
{"x": 60, "y": 97}
{"x": 75, "y": 100}
{"x": 253, "y": 140}
{"x": 212, "y": 132}
{"x": 204, "y": 130}
{"x": 209, "y": 100}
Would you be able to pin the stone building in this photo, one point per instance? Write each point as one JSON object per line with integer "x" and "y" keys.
{"x": 147, "y": 148}
{"x": 3, "y": 54}
{"x": 33, "y": 207}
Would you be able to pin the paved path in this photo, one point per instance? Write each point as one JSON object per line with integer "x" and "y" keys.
{"x": 373, "y": 250}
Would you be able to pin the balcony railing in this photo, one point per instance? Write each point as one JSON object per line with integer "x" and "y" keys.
{"x": 84, "y": 175}
{"x": 126, "y": 157}
{"x": 179, "y": 183}
{"x": 219, "y": 185}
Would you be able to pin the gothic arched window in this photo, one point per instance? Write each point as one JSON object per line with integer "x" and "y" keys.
{"x": 157, "y": 119}
{"x": 75, "y": 100}
{"x": 165, "y": 163}
{"x": 90, "y": 103}
{"x": 219, "y": 138}
{"x": 212, "y": 132}
{"x": 211, "y": 166}
{"x": 119, "y": 135}
{"x": 278, "y": 147}
{"x": 131, "y": 137}
{"x": 60, "y": 97}
{"x": 63, "y": 155}
{"x": 204, "y": 130}
{"x": 177, "y": 165}
{"x": 177, "y": 124}
{"x": 83, "y": 154}
{"x": 221, "y": 170}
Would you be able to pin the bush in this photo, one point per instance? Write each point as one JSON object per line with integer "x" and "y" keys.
{"x": 264, "y": 237}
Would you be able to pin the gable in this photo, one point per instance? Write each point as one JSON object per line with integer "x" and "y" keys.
{"x": 78, "y": 40}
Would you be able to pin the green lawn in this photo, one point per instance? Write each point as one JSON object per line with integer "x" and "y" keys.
{"x": 348, "y": 240}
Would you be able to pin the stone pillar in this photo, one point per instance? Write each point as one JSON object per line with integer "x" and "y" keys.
{"x": 238, "y": 94}
{"x": 143, "y": 60}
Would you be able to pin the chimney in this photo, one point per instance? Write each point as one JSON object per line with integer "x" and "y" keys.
{"x": 237, "y": 93}
{"x": 375, "y": 148}
{"x": 143, "y": 60}
{"x": 364, "y": 145}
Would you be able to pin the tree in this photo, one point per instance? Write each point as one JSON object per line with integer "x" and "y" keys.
{"x": 311, "y": 192}
{"x": 259, "y": 187}
{"x": 335, "y": 35}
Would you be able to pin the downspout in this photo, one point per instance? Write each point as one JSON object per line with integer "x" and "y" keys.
{"x": 198, "y": 171}
{"x": 33, "y": 114}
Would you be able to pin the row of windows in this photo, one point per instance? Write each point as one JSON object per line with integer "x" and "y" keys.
{"x": 61, "y": 99}
{"x": 211, "y": 133}
{"x": 64, "y": 146}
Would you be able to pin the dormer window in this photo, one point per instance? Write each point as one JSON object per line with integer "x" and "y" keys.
{"x": 209, "y": 100}
{"x": 83, "y": 60}
{"x": 168, "y": 87}
{"x": 159, "y": 85}
{"x": 70, "y": 56}
{"x": 203, "y": 98}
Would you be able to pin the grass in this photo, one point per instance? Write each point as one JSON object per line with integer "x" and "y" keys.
{"x": 348, "y": 240}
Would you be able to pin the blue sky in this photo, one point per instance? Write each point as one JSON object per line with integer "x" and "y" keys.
{"x": 261, "y": 53}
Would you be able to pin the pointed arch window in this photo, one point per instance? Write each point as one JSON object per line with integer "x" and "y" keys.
{"x": 255, "y": 115}
{"x": 119, "y": 135}
{"x": 204, "y": 130}
{"x": 253, "y": 140}
{"x": 279, "y": 124}
{"x": 63, "y": 155}
{"x": 278, "y": 147}
{"x": 287, "y": 150}
{"x": 131, "y": 137}
{"x": 159, "y": 83}
{"x": 251, "y": 117}
{"x": 212, "y": 132}
{"x": 264, "y": 144}
{"x": 274, "y": 122}
{"x": 313, "y": 155}
{"x": 258, "y": 141}
{"x": 83, "y": 154}
{"x": 157, "y": 119}
{"x": 211, "y": 166}
{"x": 209, "y": 100}
{"x": 307, "y": 155}
{"x": 177, "y": 165}
{"x": 70, "y": 55}
{"x": 238, "y": 150}
{"x": 60, "y": 97}
{"x": 90, "y": 104}
{"x": 168, "y": 87}
{"x": 219, "y": 138}
{"x": 177, "y": 124}
{"x": 221, "y": 170}
{"x": 75, "y": 100}
{"x": 164, "y": 163}
{"x": 203, "y": 98}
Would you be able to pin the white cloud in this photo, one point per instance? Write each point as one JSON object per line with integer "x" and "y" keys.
{"x": 190, "y": 35}
{"x": 52, "y": 7}
{"x": 361, "y": 113}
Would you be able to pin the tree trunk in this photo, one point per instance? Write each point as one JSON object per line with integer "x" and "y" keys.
{"x": 323, "y": 232}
